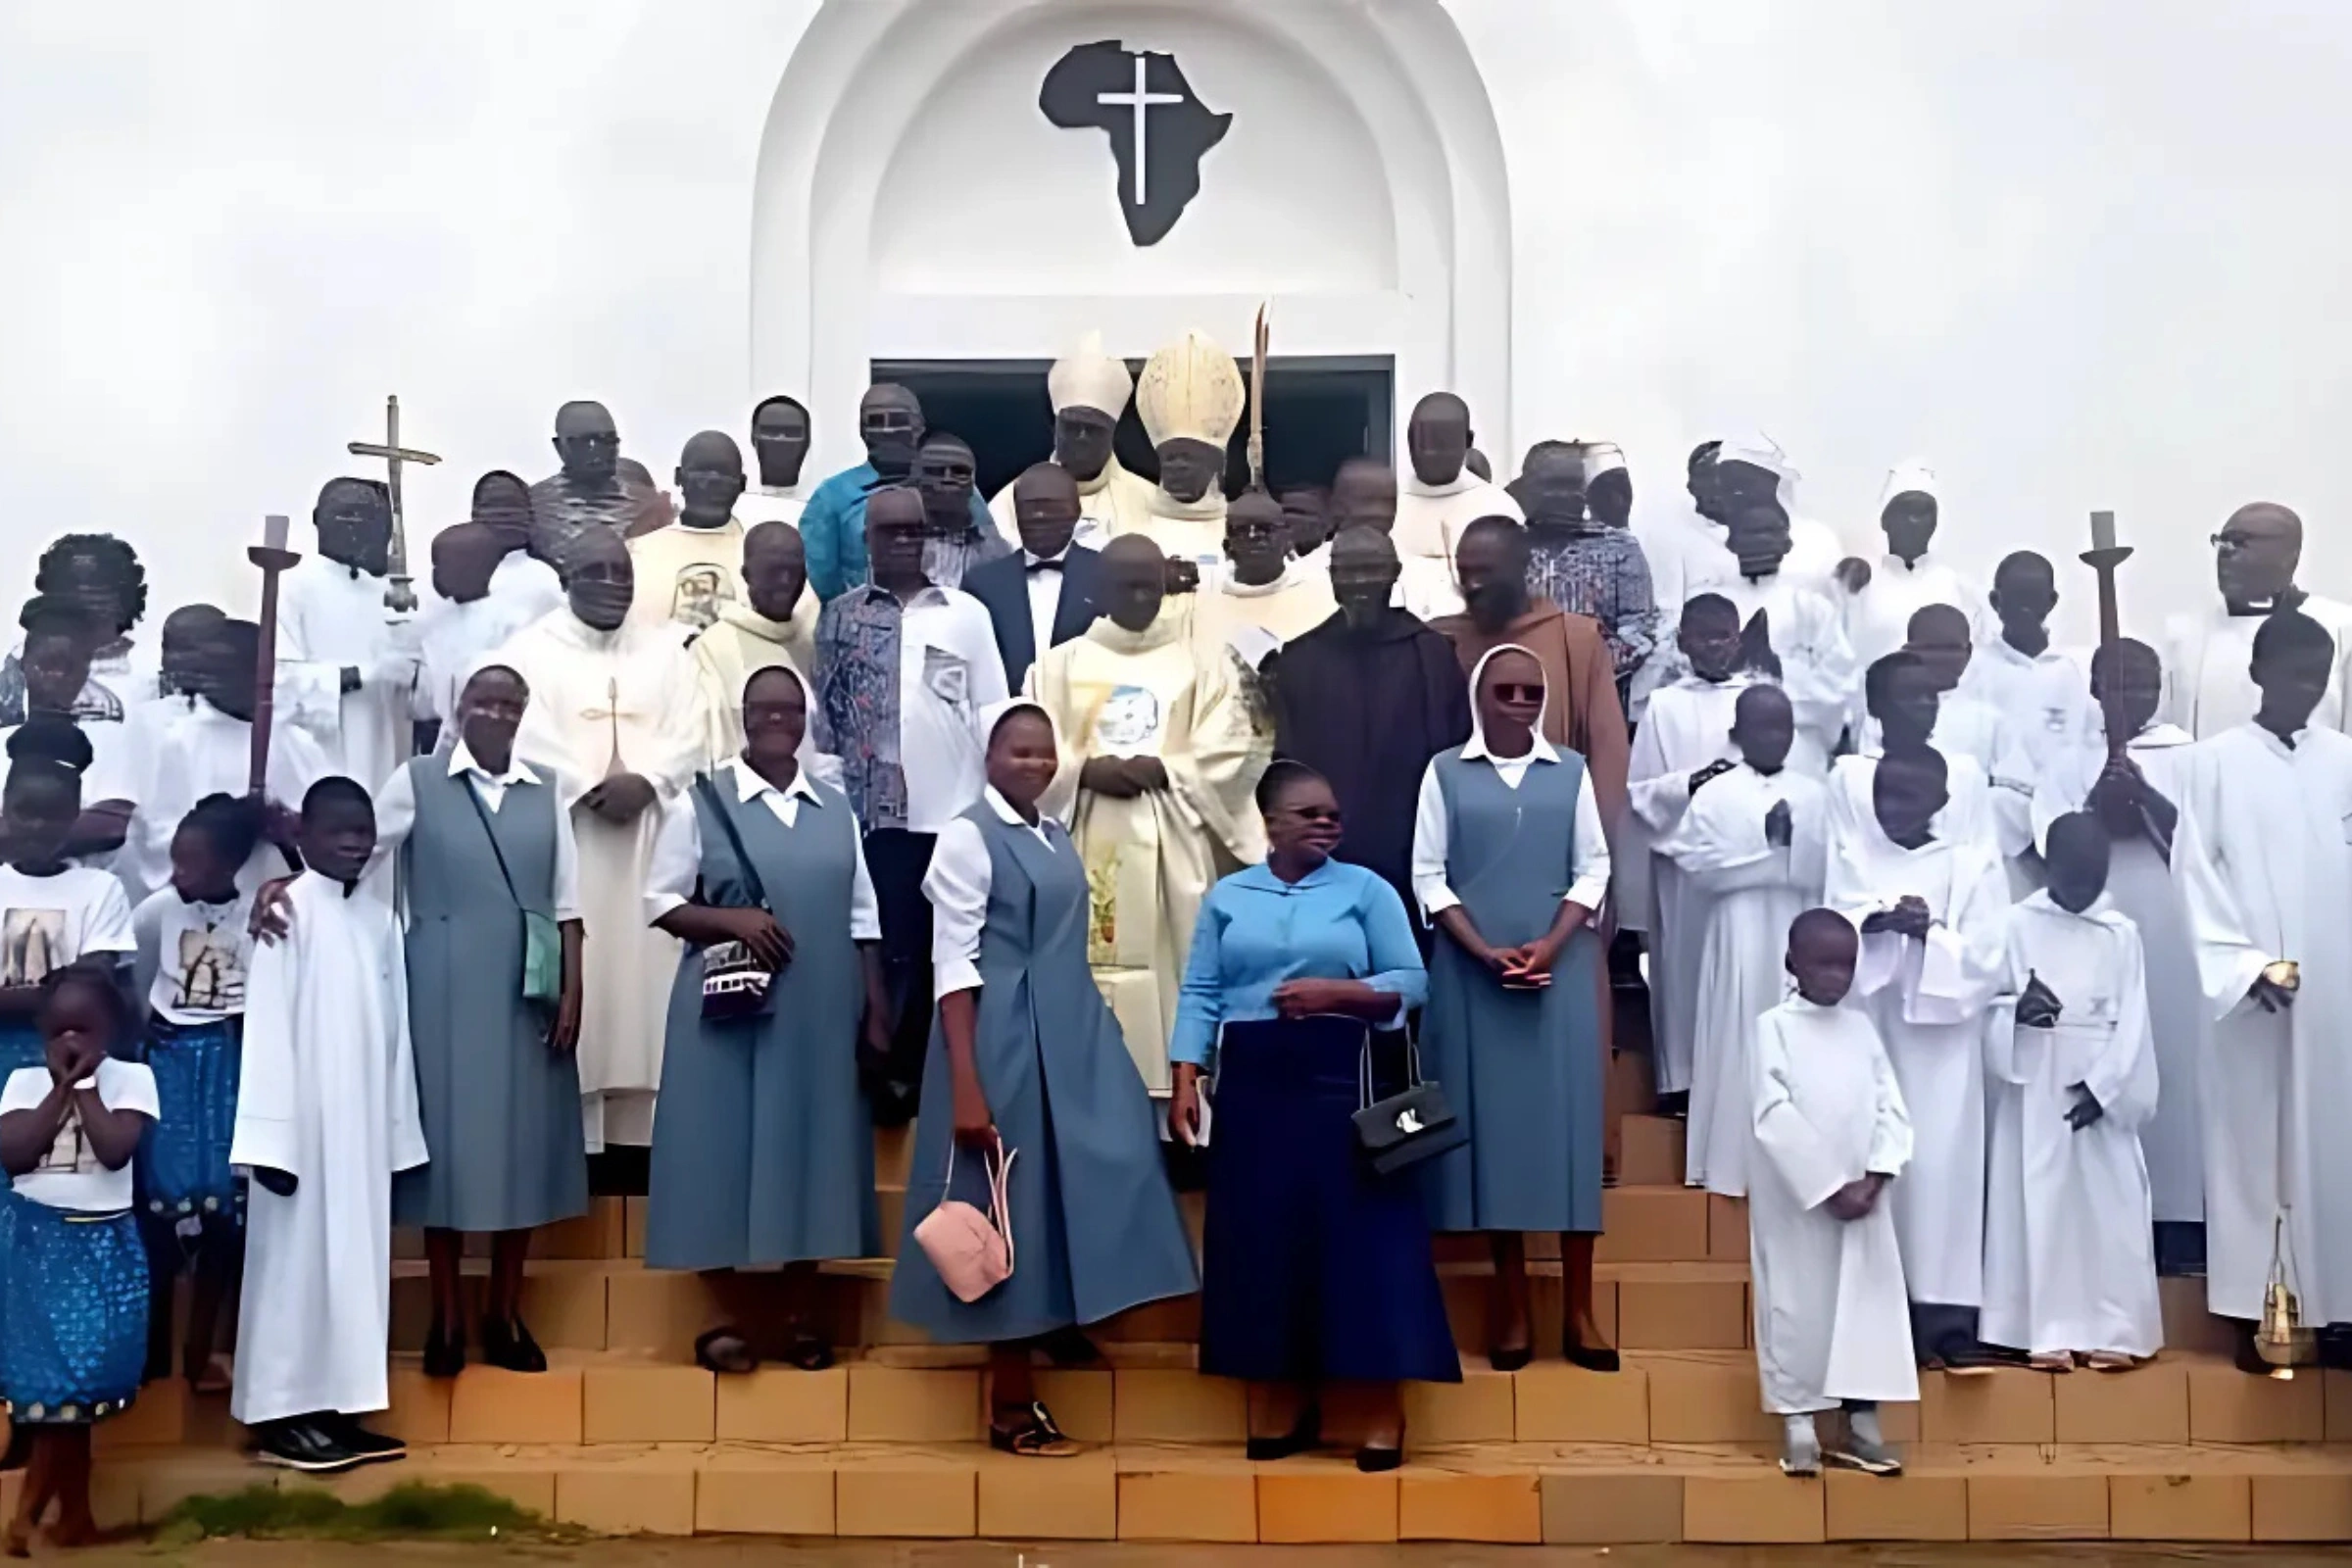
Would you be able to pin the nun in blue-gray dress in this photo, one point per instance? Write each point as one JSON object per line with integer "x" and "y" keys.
{"x": 482, "y": 838}
{"x": 1510, "y": 864}
{"x": 1027, "y": 1058}
{"x": 764, "y": 1146}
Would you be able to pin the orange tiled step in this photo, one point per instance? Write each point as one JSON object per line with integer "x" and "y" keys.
{"x": 1564, "y": 1493}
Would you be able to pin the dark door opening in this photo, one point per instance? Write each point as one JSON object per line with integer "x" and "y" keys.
{"x": 1319, "y": 410}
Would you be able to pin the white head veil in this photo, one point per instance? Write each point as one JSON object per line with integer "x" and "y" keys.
{"x": 1478, "y": 674}
{"x": 1905, "y": 477}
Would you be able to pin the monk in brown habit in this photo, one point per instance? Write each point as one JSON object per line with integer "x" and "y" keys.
{"x": 1582, "y": 712}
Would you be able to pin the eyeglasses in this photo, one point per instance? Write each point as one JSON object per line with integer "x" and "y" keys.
{"x": 2232, "y": 539}
{"x": 887, "y": 422}
{"x": 1512, "y": 691}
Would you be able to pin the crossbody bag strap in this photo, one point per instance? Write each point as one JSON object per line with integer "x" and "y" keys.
{"x": 707, "y": 786}
{"x": 483, "y": 813}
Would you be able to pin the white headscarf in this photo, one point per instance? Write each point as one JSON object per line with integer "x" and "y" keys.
{"x": 1905, "y": 477}
{"x": 1760, "y": 451}
{"x": 1601, "y": 457}
{"x": 1478, "y": 674}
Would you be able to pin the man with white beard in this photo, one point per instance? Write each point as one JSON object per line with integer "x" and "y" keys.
{"x": 2070, "y": 1266}
{"x": 2262, "y": 861}
{"x": 1751, "y": 853}
{"x": 2137, "y": 797}
{"x": 1832, "y": 1133}
{"x": 1932, "y": 912}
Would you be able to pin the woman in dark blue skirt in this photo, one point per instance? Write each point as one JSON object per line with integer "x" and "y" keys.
{"x": 74, "y": 1322}
{"x": 1315, "y": 1270}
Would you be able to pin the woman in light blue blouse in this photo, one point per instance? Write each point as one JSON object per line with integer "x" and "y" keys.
{"x": 1315, "y": 1269}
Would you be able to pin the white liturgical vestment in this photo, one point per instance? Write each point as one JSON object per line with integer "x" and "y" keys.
{"x": 330, "y": 619}
{"x": 2209, "y": 662}
{"x": 2264, "y": 862}
{"x": 1831, "y": 1319}
{"x": 604, "y": 702}
{"x": 328, "y": 1096}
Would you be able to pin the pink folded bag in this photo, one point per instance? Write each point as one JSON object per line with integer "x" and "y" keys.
{"x": 971, "y": 1250}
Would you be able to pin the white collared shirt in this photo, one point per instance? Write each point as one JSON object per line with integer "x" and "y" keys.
{"x": 1588, "y": 871}
{"x": 396, "y": 817}
{"x": 1045, "y": 596}
{"x": 950, "y": 671}
{"x": 676, "y": 862}
{"x": 958, "y": 885}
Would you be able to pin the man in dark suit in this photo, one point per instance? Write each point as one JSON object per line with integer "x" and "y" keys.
{"x": 1042, "y": 594}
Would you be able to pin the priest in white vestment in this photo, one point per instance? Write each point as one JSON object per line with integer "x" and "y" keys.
{"x": 1439, "y": 497}
{"x": 1264, "y": 598}
{"x": 1751, "y": 851}
{"x": 617, "y": 713}
{"x": 2069, "y": 1263}
{"x": 691, "y": 569}
{"x": 347, "y": 661}
{"x": 326, "y": 1114}
{"x": 1159, "y": 759}
{"x": 1089, "y": 389}
{"x": 2139, "y": 801}
{"x": 462, "y": 620}
{"x": 1904, "y": 578}
{"x": 1689, "y": 728}
{"x": 1932, "y": 912}
{"x": 2208, "y": 653}
{"x": 1832, "y": 1134}
{"x": 775, "y": 625}
{"x": 1190, "y": 399}
{"x": 2263, "y": 859}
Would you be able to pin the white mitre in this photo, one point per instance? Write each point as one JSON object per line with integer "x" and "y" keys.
{"x": 1090, "y": 380}
{"x": 1906, "y": 478}
{"x": 1760, "y": 451}
{"x": 1601, "y": 457}
{"x": 1191, "y": 390}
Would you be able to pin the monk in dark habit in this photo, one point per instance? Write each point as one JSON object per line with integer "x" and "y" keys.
{"x": 1582, "y": 712}
{"x": 1366, "y": 700}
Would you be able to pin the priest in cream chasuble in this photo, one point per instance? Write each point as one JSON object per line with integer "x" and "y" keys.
{"x": 1158, "y": 761}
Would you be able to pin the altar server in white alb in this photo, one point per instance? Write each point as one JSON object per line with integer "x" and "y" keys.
{"x": 1751, "y": 853}
{"x": 1832, "y": 1134}
{"x": 2264, "y": 862}
{"x": 347, "y": 661}
{"x": 1803, "y": 624}
{"x": 327, "y": 1112}
{"x": 2137, "y": 798}
{"x": 1686, "y": 741}
{"x": 1932, "y": 912}
{"x": 2069, "y": 1263}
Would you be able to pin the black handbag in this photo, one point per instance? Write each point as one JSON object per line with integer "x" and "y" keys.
{"x": 736, "y": 986}
{"x": 1414, "y": 1124}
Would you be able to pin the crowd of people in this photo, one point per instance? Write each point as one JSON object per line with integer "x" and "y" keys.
{"x": 1119, "y": 835}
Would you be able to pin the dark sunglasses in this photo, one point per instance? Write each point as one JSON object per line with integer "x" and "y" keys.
{"x": 1512, "y": 691}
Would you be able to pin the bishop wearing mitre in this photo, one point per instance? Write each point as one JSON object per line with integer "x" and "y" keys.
{"x": 1089, "y": 390}
{"x": 1191, "y": 400}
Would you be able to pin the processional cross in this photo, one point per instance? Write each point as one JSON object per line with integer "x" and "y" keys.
{"x": 399, "y": 596}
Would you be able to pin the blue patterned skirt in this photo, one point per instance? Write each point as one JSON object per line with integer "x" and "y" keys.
{"x": 183, "y": 1158}
{"x": 74, "y": 1326}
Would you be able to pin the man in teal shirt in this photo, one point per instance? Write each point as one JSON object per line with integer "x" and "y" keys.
{"x": 890, "y": 421}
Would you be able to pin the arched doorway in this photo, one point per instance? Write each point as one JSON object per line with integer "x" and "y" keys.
{"x": 915, "y": 206}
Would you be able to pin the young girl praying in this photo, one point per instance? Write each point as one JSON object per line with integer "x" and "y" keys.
{"x": 194, "y": 949}
{"x": 72, "y": 1271}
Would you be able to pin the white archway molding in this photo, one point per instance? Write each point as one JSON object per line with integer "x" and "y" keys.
{"x": 853, "y": 182}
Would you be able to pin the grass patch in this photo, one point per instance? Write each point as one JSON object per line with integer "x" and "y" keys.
{"x": 413, "y": 1511}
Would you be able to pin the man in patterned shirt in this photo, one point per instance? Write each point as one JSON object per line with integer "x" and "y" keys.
{"x": 1582, "y": 565}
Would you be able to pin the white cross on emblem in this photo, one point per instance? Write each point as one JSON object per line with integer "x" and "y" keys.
{"x": 1143, "y": 101}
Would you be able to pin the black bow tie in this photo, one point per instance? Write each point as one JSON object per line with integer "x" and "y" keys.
{"x": 1046, "y": 565}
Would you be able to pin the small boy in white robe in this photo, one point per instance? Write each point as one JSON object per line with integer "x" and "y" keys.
{"x": 2069, "y": 1263}
{"x": 327, "y": 1112}
{"x": 1932, "y": 914}
{"x": 1940, "y": 638}
{"x": 1833, "y": 1132}
{"x": 1684, "y": 741}
{"x": 1751, "y": 853}
{"x": 1905, "y": 704}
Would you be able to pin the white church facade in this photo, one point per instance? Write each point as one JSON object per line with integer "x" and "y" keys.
{"x": 1876, "y": 233}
